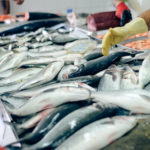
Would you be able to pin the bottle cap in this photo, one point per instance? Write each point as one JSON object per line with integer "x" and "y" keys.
{"x": 69, "y": 10}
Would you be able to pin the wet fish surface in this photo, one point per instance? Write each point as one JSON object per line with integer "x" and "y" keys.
{"x": 47, "y": 123}
{"x": 52, "y": 98}
{"x": 70, "y": 124}
{"x": 99, "y": 134}
{"x": 98, "y": 64}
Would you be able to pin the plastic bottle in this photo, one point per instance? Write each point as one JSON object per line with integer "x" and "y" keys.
{"x": 71, "y": 17}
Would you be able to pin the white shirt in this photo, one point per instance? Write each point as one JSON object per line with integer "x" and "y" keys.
{"x": 138, "y": 6}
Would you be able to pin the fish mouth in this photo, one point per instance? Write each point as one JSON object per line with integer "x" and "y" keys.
{"x": 78, "y": 72}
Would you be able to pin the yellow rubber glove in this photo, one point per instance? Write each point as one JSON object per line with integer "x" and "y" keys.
{"x": 118, "y": 34}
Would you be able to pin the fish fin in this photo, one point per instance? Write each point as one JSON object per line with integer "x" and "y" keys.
{"x": 11, "y": 144}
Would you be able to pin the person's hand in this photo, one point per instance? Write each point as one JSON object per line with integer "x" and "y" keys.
{"x": 112, "y": 37}
{"x": 118, "y": 34}
{"x": 19, "y": 1}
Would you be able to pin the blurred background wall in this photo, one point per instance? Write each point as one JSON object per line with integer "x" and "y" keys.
{"x": 60, "y": 6}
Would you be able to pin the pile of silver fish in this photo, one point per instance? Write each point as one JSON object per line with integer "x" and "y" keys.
{"x": 63, "y": 94}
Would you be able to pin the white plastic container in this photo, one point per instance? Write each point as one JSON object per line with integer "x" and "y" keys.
{"x": 71, "y": 17}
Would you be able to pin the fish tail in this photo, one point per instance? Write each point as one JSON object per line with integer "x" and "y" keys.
{"x": 13, "y": 147}
{"x": 22, "y": 140}
{"x": 11, "y": 144}
{"x": 5, "y": 94}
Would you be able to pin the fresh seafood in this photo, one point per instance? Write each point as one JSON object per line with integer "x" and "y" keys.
{"x": 46, "y": 74}
{"x": 50, "y": 48}
{"x": 35, "y": 120}
{"x": 47, "y": 123}
{"x": 55, "y": 83}
{"x": 15, "y": 102}
{"x": 65, "y": 71}
{"x": 47, "y": 54}
{"x": 20, "y": 75}
{"x": 51, "y": 99}
{"x": 12, "y": 61}
{"x": 32, "y": 26}
{"x": 111, "y": 80}
{"x": 34, "y": 91}
{"x": 98, "y": 64}
{"x": 144, "y": 77}
{"x": 70, "y": 58}
{"x": 93, "y": 55}
{"x": 37, "y": 61}
{"x": 7, "y": 73}
{"x": 137, "y": 101}
{"x": 68, "y": 125}
{"x": 8, "y": 88}
{"x": 62, "y": 39}
{"x": 99, "y": 134}
{"x": 5, "y": 55}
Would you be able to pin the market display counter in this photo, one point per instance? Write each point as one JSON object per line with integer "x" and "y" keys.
{"x": 58, "y": 91}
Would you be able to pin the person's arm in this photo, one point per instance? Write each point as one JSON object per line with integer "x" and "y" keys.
{"x": 19, "y": 1}
{"x": 146, "y": 17}
{"x": 116, "y": 35}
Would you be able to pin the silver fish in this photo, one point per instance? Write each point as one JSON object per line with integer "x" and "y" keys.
{"x": 32, "y": 122}
{"x": 110, "y": 80}
{"x": 9, "y": 88}
{"x": 69, "y": 58}
{"x": 68, "y": 126}
{"x": 144, "y": 76}
{"x": 21, "y": 49}
{"x": 36, "y": 45}
{"x": 46, "y": 74}
{"x": 137, "y": 101}
{"x": 5, "y": 55}
{"x": 51, "y": 99}
{"x": 34, "y": 91}
{"x": 37, "y": 61}
{"x": 15, "y": 102}
{"x": 47, "y": 54}
{"x": 65, "y": 71}
{"x": 129, "y": 79}
{"x": 99, "y": 134}
{"x": 20, "y": 75}
{"x": 12, "y": 61}
{"x": 50, "y": 48}
{"x": 7, "y": 73}
{"x": 23, "y": 40}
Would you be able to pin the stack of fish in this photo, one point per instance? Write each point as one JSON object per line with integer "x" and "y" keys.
{"x": 63, "y": 94}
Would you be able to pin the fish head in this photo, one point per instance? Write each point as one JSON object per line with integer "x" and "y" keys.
{"x": 78, "y": 72}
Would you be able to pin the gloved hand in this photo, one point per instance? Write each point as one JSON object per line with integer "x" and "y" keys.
{"x": 123, "y": 13}
{"x": 118, "y": 34}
